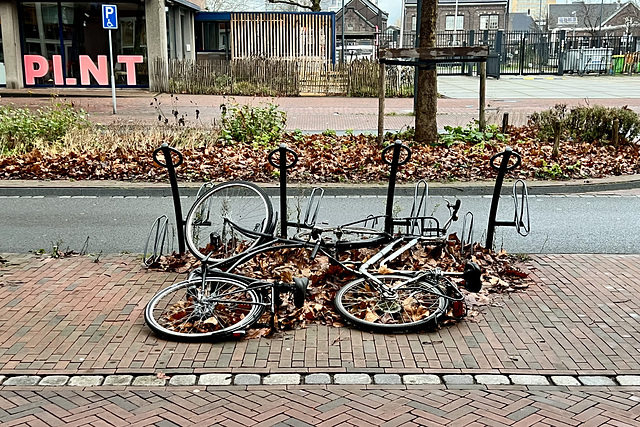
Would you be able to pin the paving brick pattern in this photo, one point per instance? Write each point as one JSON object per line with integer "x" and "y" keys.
{"x": 322, "y": 406}
{"x": 320, "y": 113}
{"x": 73, "y": 316}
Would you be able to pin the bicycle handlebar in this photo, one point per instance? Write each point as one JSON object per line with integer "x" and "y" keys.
{"x": 167, "y": 151}
{"x": 454, "y": 209}
{"x": 391, "y": 147}
{"x": 286, "y": 150}
{"x": 508, "y": 152}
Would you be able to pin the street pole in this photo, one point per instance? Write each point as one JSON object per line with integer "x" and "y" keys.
{"x": 600, "y": 21}
{"x": 113, "y": 81}
{"x": 342, "y": 35}
{"x": 401, "y": 26}
{"x": 455, "y": 25}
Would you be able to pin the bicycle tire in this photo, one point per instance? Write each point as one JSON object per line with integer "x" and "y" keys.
{"x": 193, "y": 311}
{"x": 207, "y": 230}
{"x": 347, "y": 238}
{"x": 408, "y": 307}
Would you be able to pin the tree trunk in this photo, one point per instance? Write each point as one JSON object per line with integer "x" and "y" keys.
{"x": 427, "y": 98}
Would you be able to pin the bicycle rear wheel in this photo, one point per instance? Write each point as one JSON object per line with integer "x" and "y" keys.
{"x": 397, "y": 306}
{"x": 213, "y": 225}
{"x": 193, "y": 311}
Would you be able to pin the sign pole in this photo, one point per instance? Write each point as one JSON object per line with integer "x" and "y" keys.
{"x": 113, "y": 80}
{"x": 110, "y": 22}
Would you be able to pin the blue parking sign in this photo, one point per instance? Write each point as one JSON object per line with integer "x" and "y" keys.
{"x": 109, "y": 17}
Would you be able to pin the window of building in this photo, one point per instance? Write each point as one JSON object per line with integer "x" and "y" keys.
{"x": 414, "y": 23}
{"x": 449, "y": 23}
{"x": 73, "y": 29}
{"x": 212, "y": 36}
{"x": 488, "y": 22}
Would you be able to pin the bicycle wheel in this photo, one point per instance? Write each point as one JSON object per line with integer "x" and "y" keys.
{"x": 213, "y": 225}
{"x": 345, "y": 238}
{"x": 396, "y": 307}
{"x": 193, "y": 311}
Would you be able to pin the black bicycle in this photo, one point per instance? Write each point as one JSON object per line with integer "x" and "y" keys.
{"x": 232, "y": 223}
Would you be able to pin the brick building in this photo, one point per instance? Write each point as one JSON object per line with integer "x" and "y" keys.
{"x": 472, "y": 15}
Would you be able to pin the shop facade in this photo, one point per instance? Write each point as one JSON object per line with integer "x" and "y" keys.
{"x": 64, "y": 43}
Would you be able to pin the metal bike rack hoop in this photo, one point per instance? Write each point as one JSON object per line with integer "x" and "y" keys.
{"x": 168, "y": 163}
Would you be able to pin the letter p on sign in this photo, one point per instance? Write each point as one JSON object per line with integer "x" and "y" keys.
{"x": 109, "y": 17}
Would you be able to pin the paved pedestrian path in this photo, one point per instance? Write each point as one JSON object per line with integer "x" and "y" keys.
{"x": 562, "y": 352}
{"x": 516, "y": 95}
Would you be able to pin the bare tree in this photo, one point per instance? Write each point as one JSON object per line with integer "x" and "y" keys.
{"x": 589, "y": 13}
{"x": 227, "y": 5}
{"x": 312, "y": 5}
{"x": 427, "y": 100}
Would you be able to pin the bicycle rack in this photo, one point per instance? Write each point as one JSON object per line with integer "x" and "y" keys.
{"x": 282, "y": 165}
{"x": 466, "y": 240}
{"x": 168, "y": 163}
{"x": 311, "y": 213}
{"x": 521, "y": 207}
{"x": 394, "y": 163}
{"x": 160, "y": 230}
{"x": 419, "y": 207}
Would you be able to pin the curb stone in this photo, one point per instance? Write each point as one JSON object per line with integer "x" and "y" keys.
{"x": 118, "y": 380}
{"x": 183, "y": 380}
{"x": 22, "y": 380}
{"x": 565, "y": 380}
{"x": 320, "y": 379}
{"x": 54, "y": 380}
{"x": 458, "y": 379}
{"x": 594, "y": 380}
{"x": 529, "y": 380}
{"x": 86, "y": 381}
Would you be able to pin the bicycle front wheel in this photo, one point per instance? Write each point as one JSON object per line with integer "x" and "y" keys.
{"x": 216, "y": 221}
{"x": 196, "y": 311}
{"x": 394, "y": 306}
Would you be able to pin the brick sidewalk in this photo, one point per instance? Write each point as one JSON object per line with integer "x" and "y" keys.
{"x": 74, "y": 317}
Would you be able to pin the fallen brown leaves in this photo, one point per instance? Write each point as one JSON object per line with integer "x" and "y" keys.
{"x": 332, "y": 159}
{"x": 500, "y": 275}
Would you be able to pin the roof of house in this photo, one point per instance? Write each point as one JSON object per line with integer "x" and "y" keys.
{"x": 461, "y": 2}
{"x": 374, "y": 8}
{"x": 521, "y": 22}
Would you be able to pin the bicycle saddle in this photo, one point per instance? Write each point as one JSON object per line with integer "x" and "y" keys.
{"x": 300, "y": 284}
{"x": 472, "y": 273}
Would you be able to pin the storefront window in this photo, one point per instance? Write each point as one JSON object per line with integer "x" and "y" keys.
{"x": 68, "y": 34}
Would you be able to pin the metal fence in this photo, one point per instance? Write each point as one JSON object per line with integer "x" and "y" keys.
{"x": 524, "y": 52}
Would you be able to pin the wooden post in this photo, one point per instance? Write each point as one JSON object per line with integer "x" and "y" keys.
{"x": 482, "y": 123}
{"x": 505, "y": 122}
{"x": 557, "y": 129}
{"x": 616, "y": 132}
{"x": 381, "y": 96}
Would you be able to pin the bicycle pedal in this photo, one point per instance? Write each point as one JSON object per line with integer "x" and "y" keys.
{"x": 459, "y": 309}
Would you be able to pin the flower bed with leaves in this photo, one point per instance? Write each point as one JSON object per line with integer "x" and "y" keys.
{"x": 59, "y": 143}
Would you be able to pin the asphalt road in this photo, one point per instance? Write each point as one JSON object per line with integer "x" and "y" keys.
{"x": 576, "y": 223}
